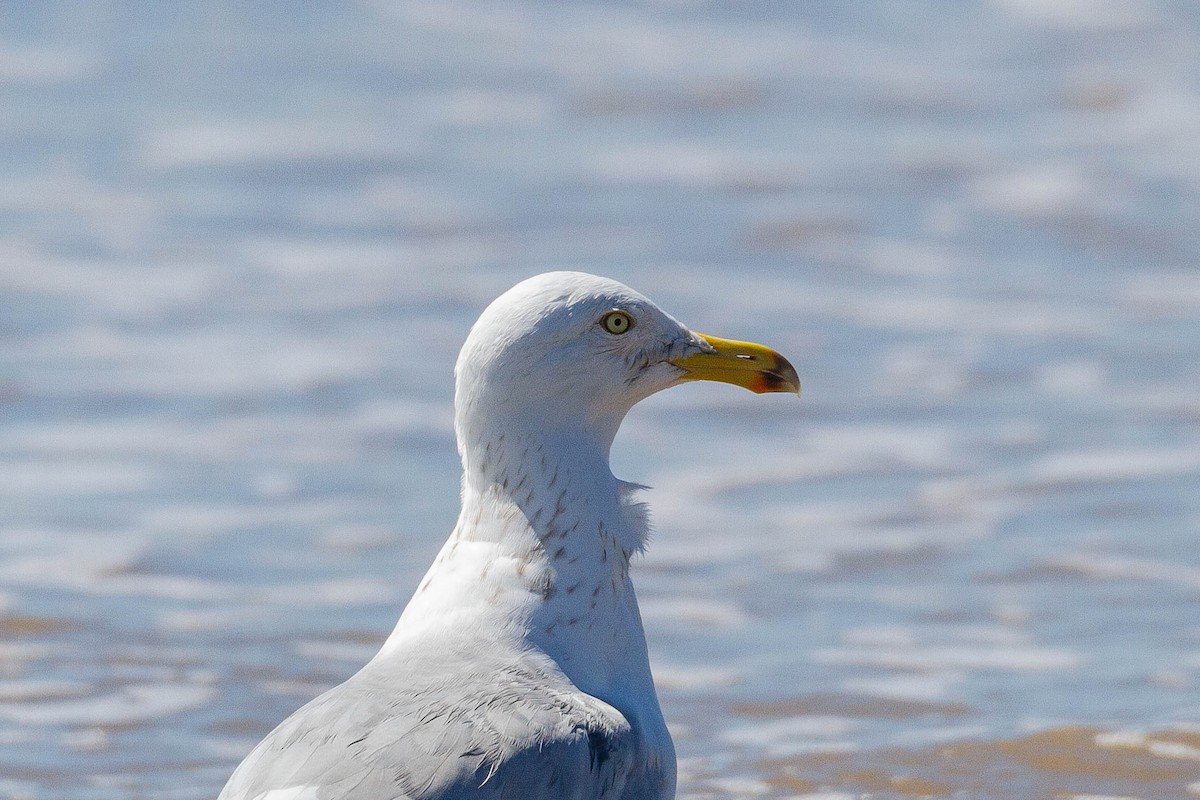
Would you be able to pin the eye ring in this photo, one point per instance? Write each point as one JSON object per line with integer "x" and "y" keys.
{"x": 617, "y": 322}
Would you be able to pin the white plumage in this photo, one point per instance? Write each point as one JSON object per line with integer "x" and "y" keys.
{"x": 519, "y": 668}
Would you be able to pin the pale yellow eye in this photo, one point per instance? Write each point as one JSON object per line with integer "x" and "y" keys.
{"x": 617, "y": 322}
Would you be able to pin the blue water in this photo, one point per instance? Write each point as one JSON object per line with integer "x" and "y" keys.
{"x": 240, "y": 245}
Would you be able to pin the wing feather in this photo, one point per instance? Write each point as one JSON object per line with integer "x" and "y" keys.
{"x": 378, "y": 737}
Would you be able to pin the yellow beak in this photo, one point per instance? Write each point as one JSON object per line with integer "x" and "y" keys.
{"x": 752, "y": 366}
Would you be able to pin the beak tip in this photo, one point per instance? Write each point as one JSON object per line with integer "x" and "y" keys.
{"x": 783, "y": 378}
{"x": 778, "y": 382}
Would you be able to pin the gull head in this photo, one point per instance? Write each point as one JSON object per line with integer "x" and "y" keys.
{"x": 570, "y": 351}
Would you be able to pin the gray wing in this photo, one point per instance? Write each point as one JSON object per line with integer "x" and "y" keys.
{"x": 501, "y": 730}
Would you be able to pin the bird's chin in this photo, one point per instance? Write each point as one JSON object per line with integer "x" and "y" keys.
{"x": 654, "y": 378}
{"x": 649, "y": 380}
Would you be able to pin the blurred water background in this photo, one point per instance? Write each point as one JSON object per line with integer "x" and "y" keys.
{"x": 240, "y": 244}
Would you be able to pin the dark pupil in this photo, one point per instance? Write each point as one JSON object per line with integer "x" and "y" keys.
{"x": 616, "y": 322}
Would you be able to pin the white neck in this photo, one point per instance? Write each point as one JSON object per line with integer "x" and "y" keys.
{"x": 540, "y": 559}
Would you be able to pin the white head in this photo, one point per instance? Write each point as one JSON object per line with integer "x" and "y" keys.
{"x": 574, "y": 352}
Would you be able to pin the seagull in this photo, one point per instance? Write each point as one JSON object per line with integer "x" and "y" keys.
{"x": 519, "y": 670}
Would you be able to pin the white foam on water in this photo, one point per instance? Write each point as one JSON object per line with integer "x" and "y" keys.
{"x": 940, "y": 658}
{"x": 477, "y": 108}
{"x": 120, "y": 288}
{"x": 406, "y": 417}
{"x": 931, "y": 313}
{"x": 684, "y": 676}
{"x": 693, "y": 165}
{"x": 77, "y": 561}
{"x": 261, "y": 141}
{"x": 354, "y": 538}
{"x": 213, "y": 520}
{"x": 88, "y": 740}
{"x": 111, "y": 438}
{"x": 127, "y": 705}
{"x": 1079, "y": 378}
{"x": 34, "y": 689}
{"x": 1106, "y": 466}
{"x": 39, "y": 67}
{"x": 744, "y": 786}
{"x": 881, "y": 636}
{"x": 1042, "y": 190}
{"x": 794, "y": 735}
{"x": 350, "y": 652}
{"x": 369, "y": 265}
{"x": 1111, "y": 566}
{"x": 296, "y": 688}
{"x": 329, "y": 593}
{"x": 1163, "y": 292}
{"x": 941, "y": 686}
{"x": 15, "y": 654}
{"x": 691, "y": 612}
{"x": 194, "y": 365}
{"x": 200, "y": 621}
{"x": 19, "y": 790}
{"x": 65, "y": 477}
{"x": 1083, "y": 14}
{"x": 919, "y": 259}
{"x": 923, "y": 737}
